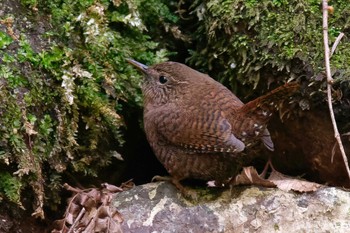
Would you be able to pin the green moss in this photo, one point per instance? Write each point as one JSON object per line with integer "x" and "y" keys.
{"x": 11, "y": 187}
{"x": 283, "y": 37}
{"x": 62, "y": 88}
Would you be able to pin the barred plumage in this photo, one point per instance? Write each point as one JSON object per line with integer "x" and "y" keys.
{"x": 196, "y": 126}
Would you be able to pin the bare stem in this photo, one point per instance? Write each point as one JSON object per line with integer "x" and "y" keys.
{"x": 330, "y": 81}
{"x": 325, "y": 41}
{"x": 336, "y": 42}
{"x": 82, "y": 211}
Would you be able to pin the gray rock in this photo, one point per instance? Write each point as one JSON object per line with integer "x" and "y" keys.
{"x": 159, "y": 208}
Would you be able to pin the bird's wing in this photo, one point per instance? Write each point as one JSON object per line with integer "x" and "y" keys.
{"x": 198, "y": 131}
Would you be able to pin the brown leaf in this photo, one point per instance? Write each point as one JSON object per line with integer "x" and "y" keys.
{"x": 90, "y": 227}
{"x": 106, "y": 197}
{"x": 95, "y": 194}
{"x": 112, "y": 188}
{"x": 103, "y": 212}
{"x": 101, "y": 224}
{"x": 249, "y": 175}
{"x": 88, "y": 218}
{"x": 70, "y": 218}
{"x": 99, "y": 216}
{"x": 74, "y": 209}
{"x": 117, "y": 217}
{"x": 85, "y": 200}
{"x": 287, "y": 183}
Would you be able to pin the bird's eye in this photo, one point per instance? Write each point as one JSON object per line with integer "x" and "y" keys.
{"x": 163, "y": 79}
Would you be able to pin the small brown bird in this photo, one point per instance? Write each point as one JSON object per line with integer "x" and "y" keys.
{"x": 197, "y": 127}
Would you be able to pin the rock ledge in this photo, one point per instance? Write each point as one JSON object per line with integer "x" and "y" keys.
{"x": 158, "y": 207}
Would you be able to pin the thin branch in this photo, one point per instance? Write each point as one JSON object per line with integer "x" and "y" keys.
{"x": 330, "y": 82}
{"x": 325, "y": 41}
{"x": 336, "y": 42}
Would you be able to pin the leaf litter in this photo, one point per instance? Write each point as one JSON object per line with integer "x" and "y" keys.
{"x": 89, "y": 210}
{"x": 249, "y": 176}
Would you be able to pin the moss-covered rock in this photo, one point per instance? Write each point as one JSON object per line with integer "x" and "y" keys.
{"x": 268, "y": 42}
{"x": 63, "y": 80}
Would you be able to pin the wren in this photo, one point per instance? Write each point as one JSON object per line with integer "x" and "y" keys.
{"x": 197, "y": 127}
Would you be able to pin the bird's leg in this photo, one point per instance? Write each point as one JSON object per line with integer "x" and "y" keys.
{"x": 266, "y": 168}
{"x": 173, "y": 180}
{"x": 186, "y": 192}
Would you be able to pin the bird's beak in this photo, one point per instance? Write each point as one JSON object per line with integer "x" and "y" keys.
{"x": 138, "y": 65}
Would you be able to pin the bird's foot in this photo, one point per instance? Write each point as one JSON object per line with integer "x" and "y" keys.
{"x": 161, "y": 178}
{"x": 187, "y": 193}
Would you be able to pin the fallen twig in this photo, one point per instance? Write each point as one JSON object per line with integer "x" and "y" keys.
{"x": 330, "y": 80}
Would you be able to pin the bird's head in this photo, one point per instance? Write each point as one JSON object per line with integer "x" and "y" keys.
{"x": 166, "y": 82}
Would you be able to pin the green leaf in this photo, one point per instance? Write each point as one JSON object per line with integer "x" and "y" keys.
{"x": 5, "y": 40}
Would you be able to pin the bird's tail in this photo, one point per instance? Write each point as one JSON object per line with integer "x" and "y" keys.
{"x": 251, "y": 119}
{"x": 262, "y": 106}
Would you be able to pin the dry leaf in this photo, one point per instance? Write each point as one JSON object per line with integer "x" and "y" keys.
{"x": 118, "y": 217}
{"x": 90, "y": 227}
{"x": 74, "y": 209}
{"x": 99, "y": 217}
{"x": 286, "y": 183}
{"x": 111, "y": 187}
{"x": 69, "y": 218}
{"x": 95, "y": 194}
{"x": 86, "y": 200}
{"x": 249, "y": 175}
{"x": 101, "y": 224}
{"x": 103, "y": 212}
